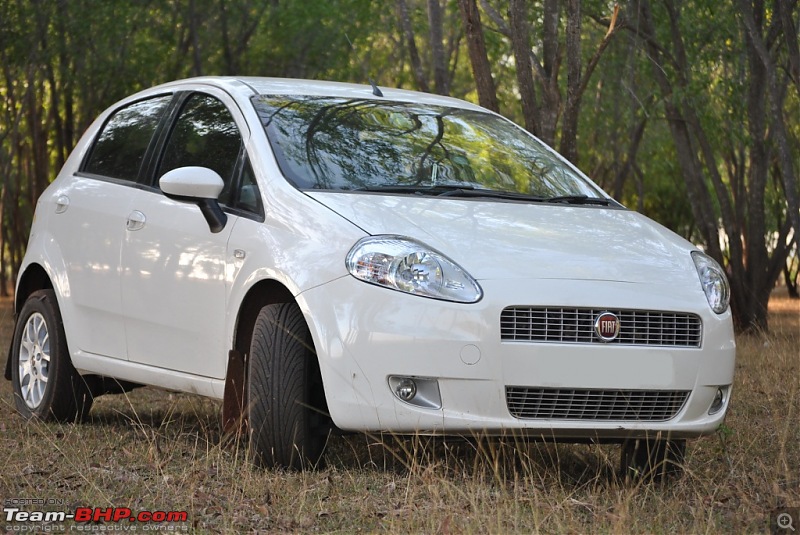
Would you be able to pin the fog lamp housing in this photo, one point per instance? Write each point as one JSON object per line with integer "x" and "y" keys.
{"x": 418, "y": 391}
{"x": 720, "y": 399}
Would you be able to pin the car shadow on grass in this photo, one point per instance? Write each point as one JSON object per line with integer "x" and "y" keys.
{"x": 502, "y": 459}
{"x": 152, "y": 409}
{"x": 172, "y": 415}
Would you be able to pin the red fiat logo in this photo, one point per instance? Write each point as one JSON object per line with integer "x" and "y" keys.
{"x": 607, "y": 326}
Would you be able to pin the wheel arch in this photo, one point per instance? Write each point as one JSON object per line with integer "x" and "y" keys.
{"x": 34, "y": 278}
{"x": 263, "y": 293}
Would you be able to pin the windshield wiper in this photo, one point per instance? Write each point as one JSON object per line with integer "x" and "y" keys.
{"x": 451, "y": 190}
{"x": 489, "y": 193}
{"x": 455, "y": 190}
{"x": 578, "y": 199}
{"x": 439, "y": 189}
{"x": 511, "y": 195}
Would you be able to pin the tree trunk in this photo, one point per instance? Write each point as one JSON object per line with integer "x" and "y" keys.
{"x": 785, "y": 157}
{"x": 784, "y": 13}
{"x": 227, "y": 49}
{"x": 551, "y": 63}
{"x": 197, "y": 64}
{"x": 481, "y": 70}
{"x": 569, "y": 128}
{"x": 435, "y": 22}
{"x": 750, "y": 311}
{"x": 520, "y": 42}
{"x": 699, "y": 197}
{"x": 630, "y": 160}
{"x": 753, "y": 268}
{"x": 3, "y": 277}
{"x": 411, "y": 43}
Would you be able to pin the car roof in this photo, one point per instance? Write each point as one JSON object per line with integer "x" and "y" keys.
{"x": 246, "y": 86}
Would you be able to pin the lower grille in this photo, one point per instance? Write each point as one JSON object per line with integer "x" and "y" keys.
{"x": 598, "y": 405}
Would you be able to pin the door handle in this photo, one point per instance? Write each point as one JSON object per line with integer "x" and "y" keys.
{"x": 62, "y": 203}
{"x": 136, "y": 220}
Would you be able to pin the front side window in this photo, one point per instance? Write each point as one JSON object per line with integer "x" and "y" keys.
{"x": 249, "y": 198}
{"x": 204, "y": 135}
{"x": 364, "y": 144}
{"x": 119, "y": 150}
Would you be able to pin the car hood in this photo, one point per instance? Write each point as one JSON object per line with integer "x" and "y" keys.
{"x": 512, "y": 240}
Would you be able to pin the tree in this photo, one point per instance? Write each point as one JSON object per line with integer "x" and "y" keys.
{"x": 685, "y": 110}
{"x": 727, "y": 175}
{"x": 557, "y": 103}
{"x": 481, "y": 70}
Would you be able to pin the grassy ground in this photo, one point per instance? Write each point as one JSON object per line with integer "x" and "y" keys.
{"x": 153, "y": 450}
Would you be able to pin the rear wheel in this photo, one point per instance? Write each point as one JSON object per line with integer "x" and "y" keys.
{"x": 287, "y": 416}
{"x": 46, "y": 385}
{"x": 655, "y": 459}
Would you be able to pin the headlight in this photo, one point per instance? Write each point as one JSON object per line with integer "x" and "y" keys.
{"x": 412, "y": 267}
{"x": 713, "y": 281}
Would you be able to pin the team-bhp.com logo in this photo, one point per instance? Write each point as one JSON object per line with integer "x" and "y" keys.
{"x": 95, "y": 514}
{"x": 607, "y": 326}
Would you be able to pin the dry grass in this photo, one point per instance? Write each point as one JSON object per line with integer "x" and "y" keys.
{"x": 157, "y": 450}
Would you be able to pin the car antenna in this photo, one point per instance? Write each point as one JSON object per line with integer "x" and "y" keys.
{"x": 375, "y": 89}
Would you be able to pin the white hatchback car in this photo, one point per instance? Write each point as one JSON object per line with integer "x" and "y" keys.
{"x": 322, "y": 255}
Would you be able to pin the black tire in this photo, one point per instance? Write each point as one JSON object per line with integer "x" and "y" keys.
{"x": 652, "y": 459}
{"x": 46, "y": 385}
{"x": 287, "y": 415}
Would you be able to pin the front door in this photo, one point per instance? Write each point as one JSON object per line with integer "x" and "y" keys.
{"x": 173, "y": 266}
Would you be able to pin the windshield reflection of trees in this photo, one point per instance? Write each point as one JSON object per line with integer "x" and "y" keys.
{"x": 347, "y": 144}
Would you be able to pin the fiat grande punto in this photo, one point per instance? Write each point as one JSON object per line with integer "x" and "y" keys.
{"x": 324, "y": 256}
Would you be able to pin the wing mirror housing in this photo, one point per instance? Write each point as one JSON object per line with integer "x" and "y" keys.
{"x": 198, "y": 185}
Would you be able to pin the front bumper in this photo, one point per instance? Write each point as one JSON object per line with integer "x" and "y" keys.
{"x": 364, "y": 334}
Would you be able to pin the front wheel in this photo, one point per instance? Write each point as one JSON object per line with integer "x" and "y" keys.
{"x": 287, "y": 415}
{"x": 46, "y": 385}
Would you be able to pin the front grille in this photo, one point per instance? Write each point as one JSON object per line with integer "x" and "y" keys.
{"x": 576, "y": 326}
{"x": 597, "y": 405}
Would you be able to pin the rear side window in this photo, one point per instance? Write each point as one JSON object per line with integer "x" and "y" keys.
{"x": 119, "y": 150}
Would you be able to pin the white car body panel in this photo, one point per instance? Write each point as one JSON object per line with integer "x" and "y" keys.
{"x": 92, "y": 276}
{"x": 149, "y": 375}
{"x": 129, "y": 313}
{"x": 365, "y": 348}
{"x": 512, "y": 240}
{"x": 91, "y": 231}
{"x": 173, "y": 275}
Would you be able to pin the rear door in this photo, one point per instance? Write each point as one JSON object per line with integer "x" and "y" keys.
{"x": 90, "y": 220}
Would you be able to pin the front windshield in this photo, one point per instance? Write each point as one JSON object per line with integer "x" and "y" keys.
{"x": 339, "y": 144}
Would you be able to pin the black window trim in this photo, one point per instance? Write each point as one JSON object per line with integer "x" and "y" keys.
{"x": 151, "y": 146}
{"x": 146, "y": 179}
{"x": 149, "y": 182}
{"x": 241, "y": 161}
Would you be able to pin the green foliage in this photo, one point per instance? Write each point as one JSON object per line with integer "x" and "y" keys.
{"x": 65, "y": 61}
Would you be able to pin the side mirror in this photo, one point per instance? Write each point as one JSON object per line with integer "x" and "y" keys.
{"x": 198, "y": 185}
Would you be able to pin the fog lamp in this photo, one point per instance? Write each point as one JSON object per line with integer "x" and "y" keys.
{"x": 406, "y": 389}
{"x": 719, "y": 401}
{"x": 419, "y": 391}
